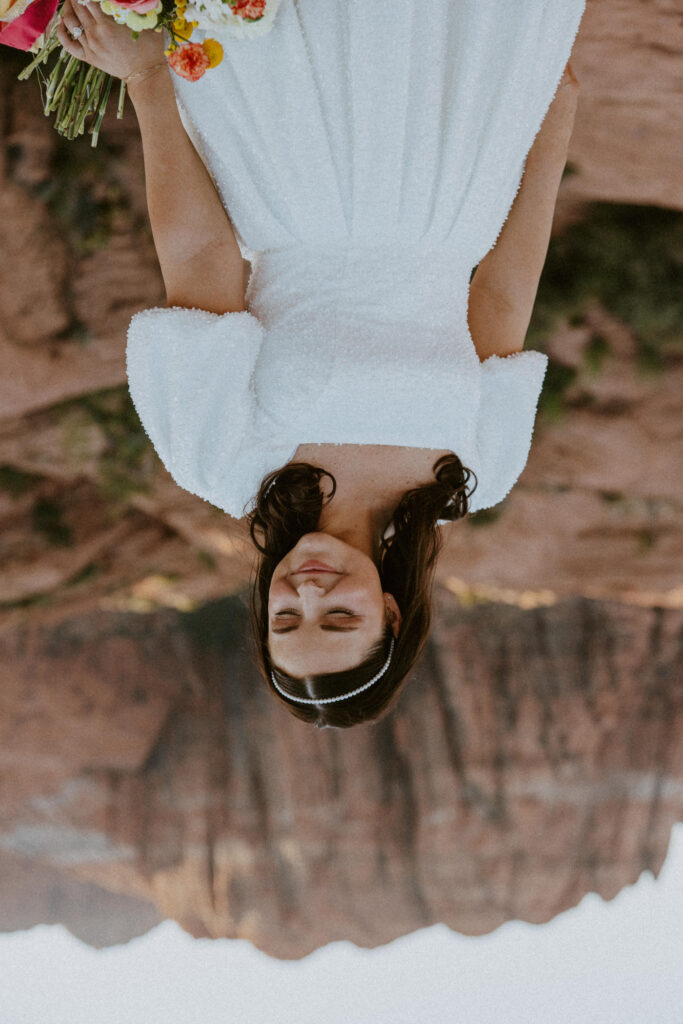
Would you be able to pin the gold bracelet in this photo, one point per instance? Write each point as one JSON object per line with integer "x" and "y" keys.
{"x": 145, "y": 71}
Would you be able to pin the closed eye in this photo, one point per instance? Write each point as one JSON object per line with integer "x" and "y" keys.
{"x": 350, "y": 619}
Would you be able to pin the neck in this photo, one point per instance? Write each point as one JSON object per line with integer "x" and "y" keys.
{"x": 371, "y": 479}
{"x": 356, "y": 523}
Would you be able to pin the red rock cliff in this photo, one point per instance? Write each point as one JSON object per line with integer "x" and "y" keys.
{"x": 535, "y": 756}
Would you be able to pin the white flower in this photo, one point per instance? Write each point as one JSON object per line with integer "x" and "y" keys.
{"x": 216, "y": 15}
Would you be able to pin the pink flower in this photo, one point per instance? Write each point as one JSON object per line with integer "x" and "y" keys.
{"x": 23, "y": 31}
{"x": 190, "y": 61}
{"x": 140, "y": 6}
{"x": 251, "y": 10}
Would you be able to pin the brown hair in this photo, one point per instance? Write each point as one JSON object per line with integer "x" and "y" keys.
{"x": 288, "y": 505}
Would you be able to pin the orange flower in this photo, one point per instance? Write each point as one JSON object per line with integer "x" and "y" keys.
{"x": 190, "y": 61}
{"x": 251, "y": 10}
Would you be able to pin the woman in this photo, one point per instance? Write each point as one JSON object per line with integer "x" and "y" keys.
{"x": 362, "y": 386}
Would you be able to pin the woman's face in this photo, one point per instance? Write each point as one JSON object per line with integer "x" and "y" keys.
{"x": 326, "y": 609}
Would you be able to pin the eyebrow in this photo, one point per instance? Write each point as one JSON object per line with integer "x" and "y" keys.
{"x": 329, "y": 629}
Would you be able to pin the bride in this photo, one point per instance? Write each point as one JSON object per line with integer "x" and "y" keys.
{"x": 363, "y": 387}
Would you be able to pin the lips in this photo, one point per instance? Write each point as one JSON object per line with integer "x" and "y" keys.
{"x": 316, "y": 567}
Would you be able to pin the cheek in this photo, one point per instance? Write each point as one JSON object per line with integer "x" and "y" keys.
{"x": 366, "y": 597}
{"x": 369, "y": 586}
{"x": 278, "y": 590}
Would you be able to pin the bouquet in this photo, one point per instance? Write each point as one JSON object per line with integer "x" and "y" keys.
{"x": 77, "y": 92}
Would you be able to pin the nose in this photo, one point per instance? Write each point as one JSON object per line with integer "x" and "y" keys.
{"x": 309, "y": 593}
{"x": 309, "y": 587}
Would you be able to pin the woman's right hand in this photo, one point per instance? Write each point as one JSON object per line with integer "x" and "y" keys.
{"x": 106, "y": 44}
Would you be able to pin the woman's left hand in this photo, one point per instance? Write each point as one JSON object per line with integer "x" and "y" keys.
{"x": 105, "y": 44}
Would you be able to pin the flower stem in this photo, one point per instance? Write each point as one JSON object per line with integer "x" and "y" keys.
{"x": 100, "y": 113}
{"x": 59, "y": 91}
{"x": 40, "y": 58}
{"x": 122, "y": 96}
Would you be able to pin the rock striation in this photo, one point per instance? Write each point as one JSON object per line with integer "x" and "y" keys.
{"x": 535, "y": 756}
{"x": 87, "y": 513}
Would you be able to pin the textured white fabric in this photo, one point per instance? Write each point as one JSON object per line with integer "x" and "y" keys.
{"x": 368, "y": 154}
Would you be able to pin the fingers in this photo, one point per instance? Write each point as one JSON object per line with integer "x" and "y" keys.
{"x": 70, "y": 16}
{"x": 72, "y": 46}
{"x": 70, "y": 20}
{"x": 76, "y": 20}
{"x": 84, "y": 12}
{"x": 92, "y": 12}
{"x": 81, "y": 18}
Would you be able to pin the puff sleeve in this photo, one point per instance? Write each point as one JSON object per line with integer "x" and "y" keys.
{"x": 189, "y": 376}
{"x": 510, "y": 389}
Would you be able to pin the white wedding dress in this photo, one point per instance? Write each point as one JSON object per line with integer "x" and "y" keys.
{"x": 368, "y": 154}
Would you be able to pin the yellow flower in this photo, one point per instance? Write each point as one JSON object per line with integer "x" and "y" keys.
{"x": 138, "y": 22}
{"x": 183, "y": 28}
{"x": 124, "y": 15}
{"x": 214, "y": 51}
{"x": 118, "y": 13}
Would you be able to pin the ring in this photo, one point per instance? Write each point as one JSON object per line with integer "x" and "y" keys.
{"x": 77, "y": 32}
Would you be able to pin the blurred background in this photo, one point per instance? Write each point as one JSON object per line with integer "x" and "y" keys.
{"x": 145, "y": 773}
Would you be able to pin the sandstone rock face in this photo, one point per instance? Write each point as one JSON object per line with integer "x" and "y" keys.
{"x": 145, "y": 772}
{"x": 599, "y": 508}
{"x": 78, "y": 257}
{"x": 536, "y": 756}
{"x": 627, "y": 141}
{"x": 79, "y": 260}
{"x": 66, "y": 295}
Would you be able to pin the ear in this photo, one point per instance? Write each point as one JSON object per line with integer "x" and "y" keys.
{"x": 393, "y": 613}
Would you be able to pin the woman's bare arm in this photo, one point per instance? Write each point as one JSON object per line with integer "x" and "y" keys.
{"x": 200, "y": 259}
{"x": 198, "y": 253}
{"x": 503, "y": 289}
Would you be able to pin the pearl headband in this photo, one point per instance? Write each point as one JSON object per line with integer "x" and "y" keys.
{"x": 342, "y": 696}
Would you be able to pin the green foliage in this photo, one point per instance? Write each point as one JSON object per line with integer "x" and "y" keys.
{"x": 630, "y": 258}
{"x": 16, "y": 482}
{"x": 650, "y": 359}
{"x": 88, "y": 572}
{"x": 645, "y": 540}
{"x": 29, "y": 602}
{"x": 207, "y": 559}
{"x": 47, "y": 520}
{"x": 557, "y": 380}
{"x": 83, "y": 195}
{"x": 124, "y": 466}
{"x": 595, "y": 353}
